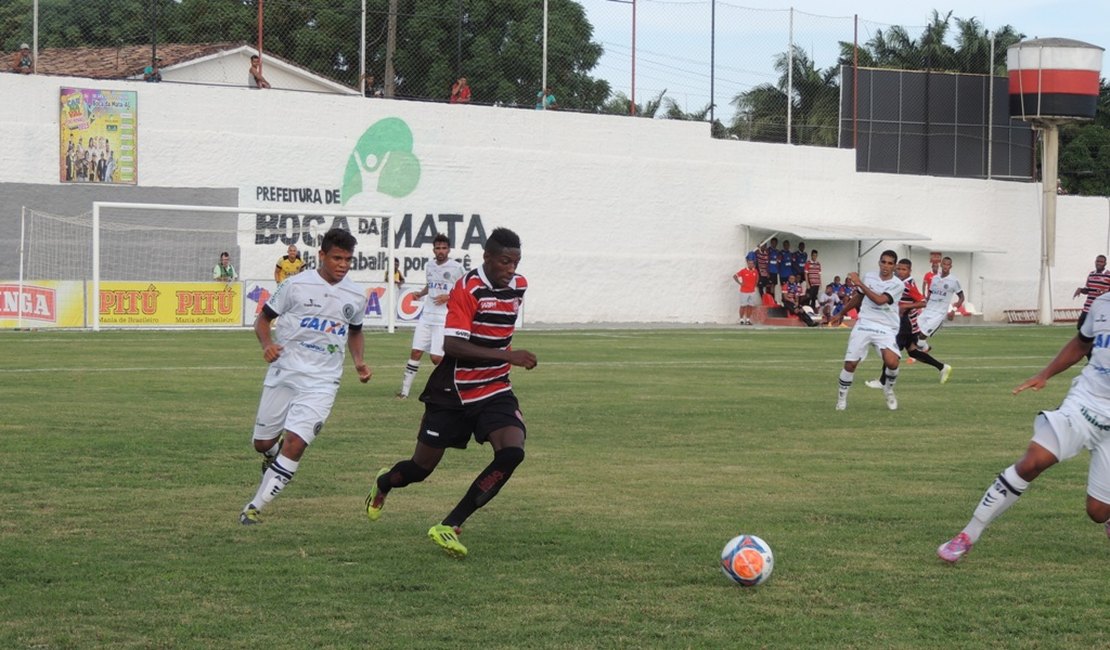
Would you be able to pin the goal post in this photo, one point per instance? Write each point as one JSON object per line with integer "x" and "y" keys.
{"x": 119, "y": 249}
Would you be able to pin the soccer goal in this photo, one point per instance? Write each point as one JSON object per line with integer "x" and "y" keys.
{"x": 155, "y": 265}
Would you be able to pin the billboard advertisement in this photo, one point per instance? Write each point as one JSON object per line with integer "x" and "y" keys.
{"x": 98, "y": 140}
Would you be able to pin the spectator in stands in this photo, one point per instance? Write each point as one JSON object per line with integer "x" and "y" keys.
{"x": 460, "y": 92}
{"x": 791, "y": 295}
{"x": 748, "y": 279}
{"x": 762, "y": 264}
{"x": 545, "y": 100}
{"x": 1098, "y": 282}
{"x": 786, "y": 264}
{"x": 828, "y": 304}
{"x": 927, "y": 279}
{"x": 153, "y": 72}
{"x": 772, "y": 267}
{"x": 22, "y": 61}
{"x": 289, "y": 264}
{"x": 812, "y": 273}
{"x": 224, "y": 271}
{"x": 368, "y": 88}
{"x": 398, "y": 277}
{"x": 801, "y": 257}
{"x": 255, "y": 78}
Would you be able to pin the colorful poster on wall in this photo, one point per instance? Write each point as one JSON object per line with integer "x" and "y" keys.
{"x": 98, "y": 140}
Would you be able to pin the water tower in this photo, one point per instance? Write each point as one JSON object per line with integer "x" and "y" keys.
{"x": 1053, "y": 81}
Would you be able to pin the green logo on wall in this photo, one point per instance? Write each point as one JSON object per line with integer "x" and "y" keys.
{"x": 384, "y": 150}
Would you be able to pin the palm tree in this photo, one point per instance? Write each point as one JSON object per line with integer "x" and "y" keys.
{"x": 814, "y": 101}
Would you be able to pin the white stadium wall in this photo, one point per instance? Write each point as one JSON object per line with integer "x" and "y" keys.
{"x": 622, "y": 220}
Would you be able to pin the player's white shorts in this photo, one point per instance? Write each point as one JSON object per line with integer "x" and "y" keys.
{"x": 1074, "y": 427}
{"x": 864, "y": 335}
{"x": 428, "y": 338}
{"x": 749, "y": 299}
{"x": 930, "y": 321}
{"x": 291, "y": 403}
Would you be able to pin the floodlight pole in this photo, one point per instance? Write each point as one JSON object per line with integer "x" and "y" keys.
{"x": 1050, "y": 173}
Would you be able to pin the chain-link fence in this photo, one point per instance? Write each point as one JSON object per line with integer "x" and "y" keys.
{"x": 754, "y": 74}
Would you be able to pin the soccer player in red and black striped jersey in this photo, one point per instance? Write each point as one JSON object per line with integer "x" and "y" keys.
{"x": 469, "y": 394}
{"x": 910, "y": 305}
{"x": 1098, "y": 282}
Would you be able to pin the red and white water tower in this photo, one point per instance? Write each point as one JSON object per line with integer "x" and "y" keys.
{"x": 1053, "y": 81}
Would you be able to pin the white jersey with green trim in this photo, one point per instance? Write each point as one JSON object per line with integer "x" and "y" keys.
{"x": 1092, "y": 385}
{"x": 315, "y": 319}
{"x": 883, "y": 315}
{"x": 441, "y": 278}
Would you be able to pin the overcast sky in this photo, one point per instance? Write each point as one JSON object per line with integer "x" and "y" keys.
{"x": 673, "y": 36}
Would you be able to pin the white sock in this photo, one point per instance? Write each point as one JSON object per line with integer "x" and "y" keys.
{"x": 889, "y": 377}
{"x": 411, "y": 368}
{"x": 1002, "y": 494}
{"x": 275, "y": 479}
{"x": 845, "y": 382}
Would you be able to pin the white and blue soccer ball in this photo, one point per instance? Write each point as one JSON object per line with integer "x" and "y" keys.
{"x": 747, "y": 560}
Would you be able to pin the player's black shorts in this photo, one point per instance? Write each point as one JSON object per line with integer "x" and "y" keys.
{"x": 452, "y": 426}
{"x": 905, "y": 334}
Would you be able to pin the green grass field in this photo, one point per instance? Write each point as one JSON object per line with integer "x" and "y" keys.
{"x": 126, "y": 457}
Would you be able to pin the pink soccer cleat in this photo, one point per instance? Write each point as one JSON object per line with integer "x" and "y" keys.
{"x": 955, "y": 548}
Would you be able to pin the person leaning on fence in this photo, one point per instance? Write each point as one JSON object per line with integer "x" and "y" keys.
{"x": 460, "y": 92}
{"x": 153, "y": 72}
{"x": 255, "y": 78}
{"x": 224, "y": 271}
{"x": 22, "y": 61}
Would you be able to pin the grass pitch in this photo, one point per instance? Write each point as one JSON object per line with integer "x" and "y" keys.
{"x": 126, "y": 457}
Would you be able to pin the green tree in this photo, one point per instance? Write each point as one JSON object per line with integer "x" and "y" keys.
{"x": 814, "y": 99}
{"x": 620, "y": 104}
{"x": 496, "y": 44}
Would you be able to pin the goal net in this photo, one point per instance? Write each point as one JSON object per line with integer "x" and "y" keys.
{"x": 124, "y": 253}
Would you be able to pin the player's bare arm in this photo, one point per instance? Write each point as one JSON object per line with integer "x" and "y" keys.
{"x": 1074, "y": 350}
{"x": 270, "y": 350}
{"x": 356, "y": 343}
{"x": 463, "y": 349}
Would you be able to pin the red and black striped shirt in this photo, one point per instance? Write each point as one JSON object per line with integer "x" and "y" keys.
{"x": 486, "y": 316}
{"x": 1098, "y": 282}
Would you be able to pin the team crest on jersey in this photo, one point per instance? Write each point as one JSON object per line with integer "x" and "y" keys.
{"x": 349, "y": 311}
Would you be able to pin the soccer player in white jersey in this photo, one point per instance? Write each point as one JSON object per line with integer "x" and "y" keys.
{"x": 1081, "y": 422}
{"x": 876, "y": 296}
{"x": 442, "y": 274}
{"x": 941, "y": 290}
{"x": 321, "y": 311}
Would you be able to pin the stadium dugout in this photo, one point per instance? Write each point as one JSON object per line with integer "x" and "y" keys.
{"x": 830, "y": 233}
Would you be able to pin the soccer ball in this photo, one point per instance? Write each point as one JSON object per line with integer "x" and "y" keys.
{"x": 747, "y": 560}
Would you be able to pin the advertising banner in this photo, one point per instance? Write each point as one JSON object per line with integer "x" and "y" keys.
{"x": 42, "y": 303}
{"x": 98, "y": 140}
{"x": 409, "y": 307}
{"x": 168, "y": 304}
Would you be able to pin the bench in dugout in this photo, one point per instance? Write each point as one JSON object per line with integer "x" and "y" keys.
{"x": 1031, "y": 315}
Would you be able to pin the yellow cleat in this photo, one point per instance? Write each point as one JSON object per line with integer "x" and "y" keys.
{"x": 249, "y": 516}
{"x": 375, "y": 501}
{"x": 447, "y": 538}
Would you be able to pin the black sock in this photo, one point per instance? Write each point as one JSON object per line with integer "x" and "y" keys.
{"x": 487, "y": 485}
{"x": 400, "y": 475}
{"x": 925, "y": 357}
